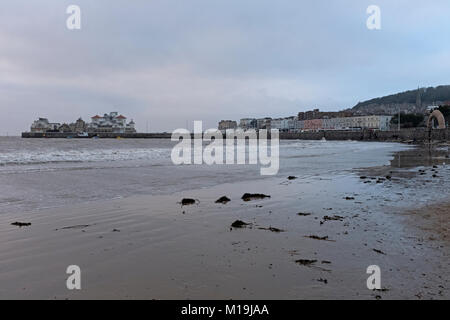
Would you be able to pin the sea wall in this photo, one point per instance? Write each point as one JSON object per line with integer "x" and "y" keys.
{"x": 413, "y": 135}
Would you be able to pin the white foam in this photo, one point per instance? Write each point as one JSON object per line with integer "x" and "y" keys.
{"x": 82, "y": 155}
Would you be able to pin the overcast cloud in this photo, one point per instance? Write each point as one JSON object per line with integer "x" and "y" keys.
{"x": 168, "y": 62}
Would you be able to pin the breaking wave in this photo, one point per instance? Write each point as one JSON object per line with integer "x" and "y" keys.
{"x": 79, "y": 156}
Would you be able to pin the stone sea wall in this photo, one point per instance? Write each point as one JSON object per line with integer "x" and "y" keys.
{"x": 108, "y": 135}
{"x": 412, "y": 135}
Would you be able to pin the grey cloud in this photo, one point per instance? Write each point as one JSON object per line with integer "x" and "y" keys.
{"x": 168, "y": 61}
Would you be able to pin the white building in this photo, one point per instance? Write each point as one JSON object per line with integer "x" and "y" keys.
{"x": 363, "y": 122}
{"x": 299, "y": 125}
{"x": 247, "y": 123}
{"x": 276, "y": 124}
{"x": 112, "y": 122}
{"x": 42, "y": 125}
{"x": 227, "y": 124}
{"x": 263, "y": 123}
{"x": 283, "y": 124}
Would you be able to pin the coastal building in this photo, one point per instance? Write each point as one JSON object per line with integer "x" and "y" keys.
{"x": 227, "y": 124}
{"x": 317, "y": 114}
{"x": 263, "y": 123}
{"x": 79, "y": 126}
{"x": 42, "y": 125}
{"x": 295, "y": 124}
{"x": 247, "y": 123}
{"x": 382, "y": 123}
{"x": 372, "y": 122}
{"x": 313, "y": 124}
{"x": 65, "y": 128}
{"x": 299, "y": 125}
{"x": 330, "y": 124}
{"x": 112, "y": 122}
{"x": 431, "y": 108}
{"x": 314, "y": 120}
{"x": 284, "y": 124}
{"x": 279, "y": 124}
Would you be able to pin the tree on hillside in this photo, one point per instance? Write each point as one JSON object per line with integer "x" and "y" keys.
{"x": 446, "y": 112}
{"x": 427, "y": 95}
{"x": 410, "y": 120}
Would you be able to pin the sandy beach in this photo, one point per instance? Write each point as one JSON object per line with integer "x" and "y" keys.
{"x": 313, "y": 238}
{"x": 224, "y": 159}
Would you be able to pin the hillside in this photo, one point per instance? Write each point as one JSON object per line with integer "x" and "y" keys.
{"x": 408, "y": 101}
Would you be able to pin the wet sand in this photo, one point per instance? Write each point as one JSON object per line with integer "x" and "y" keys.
{"x": 151, "y": 247}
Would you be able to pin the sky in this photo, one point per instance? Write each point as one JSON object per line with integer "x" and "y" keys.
{"x": 166, "y": 63}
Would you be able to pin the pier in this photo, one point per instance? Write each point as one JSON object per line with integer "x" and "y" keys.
{"x": 412, "y": 135}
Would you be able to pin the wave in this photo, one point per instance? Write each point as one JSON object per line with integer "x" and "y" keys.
{"x": 80, "y": 156}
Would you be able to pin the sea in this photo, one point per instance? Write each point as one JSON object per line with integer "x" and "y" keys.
{"x": 36, "y": 174}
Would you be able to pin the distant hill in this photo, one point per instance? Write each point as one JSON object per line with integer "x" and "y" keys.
{"x": 409, "y": 101}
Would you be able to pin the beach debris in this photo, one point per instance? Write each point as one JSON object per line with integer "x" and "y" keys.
{"x": 349, "y": 198}
{"x": 188, "y": 201}
{"x": 333, "y": 218}
{"x": 254, "y": 196}
{"x": 272, "y": 229}
{"x": 239, "y": 224}
{"x": 116, "y": 230}
{"x": 223, "y": 200}
{"x": 318, "y": 238}
{"x": 303, "y": 214}
{"x": 292, "y": 177}
{"x": 305, "y": 262}
{"x": 80, "y": 226}
{"x": 388, "y": 177}
{"x": 326, "y": 262}
{"x": 322, "y": 280}
{"x": 21, "y": 224}
{"x": 378, "y": 251}
{"x": 311, "y": 264}
{"x": 363, "y": 177}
